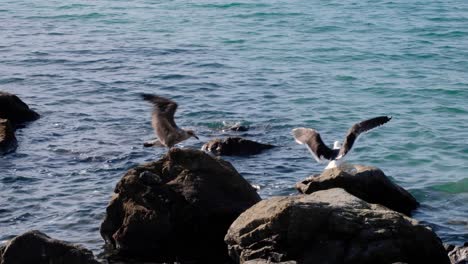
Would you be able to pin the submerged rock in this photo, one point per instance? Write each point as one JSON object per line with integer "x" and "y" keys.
{"x": 365, "y": 182}
{"x": 38, "y": 248}
{"x": 238, "y": 128}
{"x": 178, "y": 207}
{"x": 330, "y": 226}
{"x": 15, "y": 110}
{"x": 8, "y": 141}
{"x": 235, "y": 146}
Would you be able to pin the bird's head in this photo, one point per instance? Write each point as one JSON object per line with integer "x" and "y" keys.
{"x": 191, "y": 133}
{"x": 336, "y": 145}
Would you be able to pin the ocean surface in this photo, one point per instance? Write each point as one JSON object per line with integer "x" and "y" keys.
{"x": 272, "y": 65}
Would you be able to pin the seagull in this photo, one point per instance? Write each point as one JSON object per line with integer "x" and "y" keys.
{"x": 311, "y": 138}
{"x": 167, "y": 132}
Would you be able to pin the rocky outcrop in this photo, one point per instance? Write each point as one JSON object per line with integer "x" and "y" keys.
{"x": 15, "y": 110}
{"x": 8, "y": 141}
{"x": 235, "y": 146}
{"x": 458, "y": 254}
{"x": 330, "y": 226}
{"x": 368, "y": 183}
{"x": 178, "y": 207}
{"x": 38, "y": 248}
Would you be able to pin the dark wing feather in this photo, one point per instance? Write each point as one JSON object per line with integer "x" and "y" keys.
{"x": 314, "y": 142}
{"x": 359, "y": 128}
{"x": 163, "y": 108}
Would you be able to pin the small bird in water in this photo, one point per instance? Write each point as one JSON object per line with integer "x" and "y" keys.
{"x": 167, "y": 132}
{"x": 311, "y": 138}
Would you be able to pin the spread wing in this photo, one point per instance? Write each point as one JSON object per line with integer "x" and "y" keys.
{"x": 163, "y": 109}
{"x": 359, "y": 128}
{"x": 311, "y": 138}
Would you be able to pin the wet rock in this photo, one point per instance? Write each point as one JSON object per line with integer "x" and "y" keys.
{"x": 457, "y": 254}
{"x": 176, "y": 208}
{"x": 235, "y": 146}
{"x": 330, "y": 226}
{"x": 15, "y": 110}
{"x": 238, "y": 128}
{"x": 8, "y": 141}
{"x": 38, "y": 248}
{"x": 264, "y": 261}
{"x": 365, "y": 182}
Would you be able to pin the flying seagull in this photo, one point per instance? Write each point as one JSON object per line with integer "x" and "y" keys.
{"x": 167, "y": 132}
{"x": 311, "y": 138}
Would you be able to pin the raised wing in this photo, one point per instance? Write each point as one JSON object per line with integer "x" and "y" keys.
{"x": 311, "y": 138}
{"x": 359, "y": 128}
{"x": 163, "y": 108}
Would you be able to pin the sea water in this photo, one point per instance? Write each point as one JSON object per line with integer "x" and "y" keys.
{"x": 271, "y": 65}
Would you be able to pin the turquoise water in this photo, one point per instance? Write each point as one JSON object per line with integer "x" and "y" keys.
{"x": 273, "y": 65}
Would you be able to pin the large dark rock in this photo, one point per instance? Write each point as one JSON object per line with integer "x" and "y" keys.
{"x": 15, "y": 110}
{"x": 458, "y": 254}
{"x": 367, "y": 183}
{"x": 178, "y": 207}
{"x": 8, "y": 141}
{"x": 332, "y": 227}
{"x": 35, "y": 247}
{"x": 235, "y": 146}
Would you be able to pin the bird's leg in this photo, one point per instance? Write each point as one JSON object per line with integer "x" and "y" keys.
{"x": 153, "y": 143}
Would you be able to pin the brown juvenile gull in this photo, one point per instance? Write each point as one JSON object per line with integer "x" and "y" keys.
{"x": 167, "y": 132}
{"x": 311, "y": 138}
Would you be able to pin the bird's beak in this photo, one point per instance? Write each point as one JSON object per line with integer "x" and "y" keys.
{"x": 195, "y": 136}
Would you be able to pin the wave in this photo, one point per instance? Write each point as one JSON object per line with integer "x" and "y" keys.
{"x": 460, "y": 186}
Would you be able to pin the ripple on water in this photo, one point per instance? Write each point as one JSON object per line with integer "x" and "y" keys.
{"x": 17, "y": 180}
{"x": 271, "y": 65}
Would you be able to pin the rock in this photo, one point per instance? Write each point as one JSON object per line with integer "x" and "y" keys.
{"x": 448, "y": 247}
{"x": 330, "y": 226}
{"x": 235, "y": 146}
{"x": 8, "y": 141}
{"x": 15, "y": 110}
{"x": 263, "y": 261}
{"x": 457, "y": 254}
{"x": 178, "y": 207}
{"x": 238, "y": 128}
{"x": 38, "y": 248}
{"x": 367, "y": 183}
